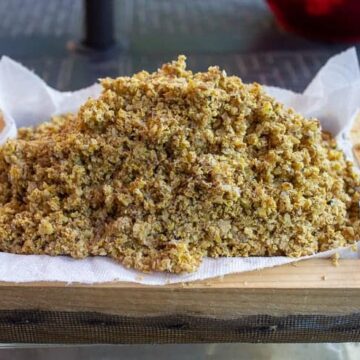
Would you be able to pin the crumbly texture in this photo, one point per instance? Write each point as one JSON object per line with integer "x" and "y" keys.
{"x": 355, "y": 138}
{"x": 166, "y": 168}
{"x": 2, "y": 123}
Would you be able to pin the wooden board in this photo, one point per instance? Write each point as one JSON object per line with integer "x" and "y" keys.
{"x": 309, "y": 287}
{"x": 315, "y": 290}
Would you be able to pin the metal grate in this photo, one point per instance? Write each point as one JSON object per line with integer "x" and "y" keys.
{"x": 95, "y": 328}
{"x": 28, "y": 18}
{"x": 238, "y": 35}
{"x": 287, "y": 70}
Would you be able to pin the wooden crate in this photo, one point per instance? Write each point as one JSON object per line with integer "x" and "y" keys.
{"x": 312, "y": 301}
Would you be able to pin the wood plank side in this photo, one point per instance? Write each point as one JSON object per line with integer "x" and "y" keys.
{"x": 311, "y": 287}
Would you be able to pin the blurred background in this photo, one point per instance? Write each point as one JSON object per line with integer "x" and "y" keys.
{"x": 241, "y": 36}
{"x": 72, "y": 43}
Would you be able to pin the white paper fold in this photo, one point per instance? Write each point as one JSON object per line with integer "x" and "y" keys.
{"x": 333, "y": 97}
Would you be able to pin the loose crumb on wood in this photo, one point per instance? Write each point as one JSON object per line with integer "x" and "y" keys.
{"x": 335, "y": 259}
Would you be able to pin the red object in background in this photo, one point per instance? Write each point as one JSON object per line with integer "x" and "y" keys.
{"x": 337, "y": 20}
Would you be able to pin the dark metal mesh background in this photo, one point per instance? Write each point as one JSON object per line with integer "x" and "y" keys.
{"x": 71, "y": 327}
{"x": 239, "y": 35}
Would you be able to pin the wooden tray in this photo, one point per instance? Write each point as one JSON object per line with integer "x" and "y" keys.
{"x": 309, "y": 301}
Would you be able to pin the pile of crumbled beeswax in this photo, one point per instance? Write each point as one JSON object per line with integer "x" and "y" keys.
{"x": 166, "y": 168}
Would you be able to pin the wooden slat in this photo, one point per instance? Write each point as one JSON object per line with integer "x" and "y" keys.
{"x": 311, "y": 287}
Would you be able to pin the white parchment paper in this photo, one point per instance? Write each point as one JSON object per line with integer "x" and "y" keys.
{"x": 333, "y": 97}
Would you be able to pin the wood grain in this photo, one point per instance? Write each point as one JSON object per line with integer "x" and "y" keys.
{"x": 309, "y": 288}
